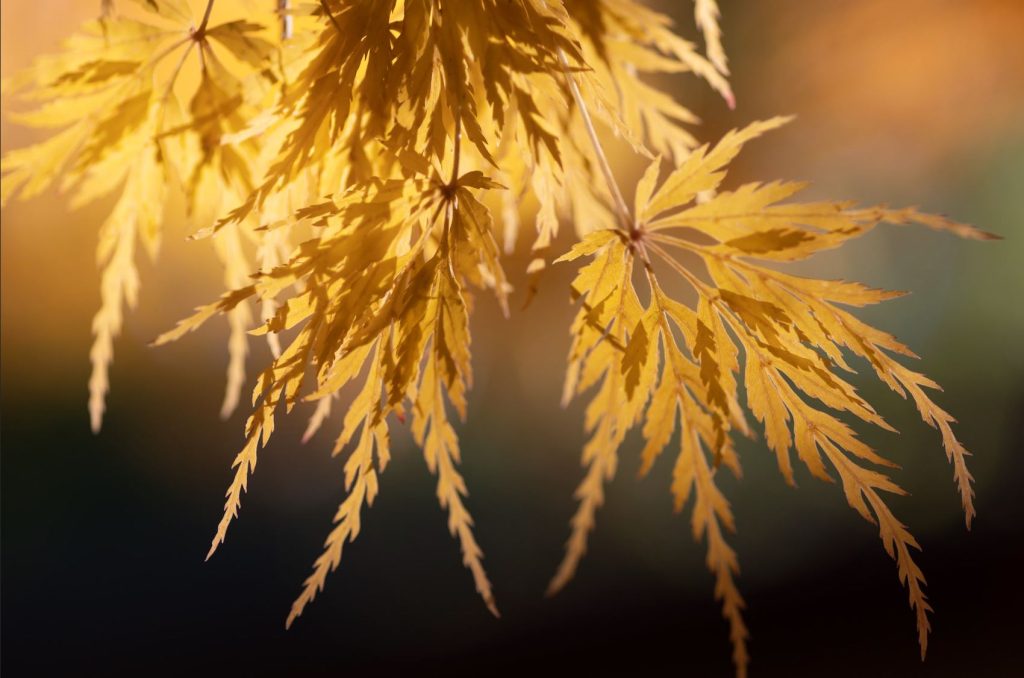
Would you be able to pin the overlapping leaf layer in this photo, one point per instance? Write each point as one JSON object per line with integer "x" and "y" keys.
{"x": 359, "y": 166}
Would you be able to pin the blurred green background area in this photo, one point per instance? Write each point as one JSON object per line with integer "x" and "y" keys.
{"x": 919, "y": 102}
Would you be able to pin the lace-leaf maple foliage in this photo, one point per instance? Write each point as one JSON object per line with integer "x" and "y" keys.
{"x": 396, "y": 143}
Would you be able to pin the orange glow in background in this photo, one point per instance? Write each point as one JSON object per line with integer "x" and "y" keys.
{"x": 912, "y": 102}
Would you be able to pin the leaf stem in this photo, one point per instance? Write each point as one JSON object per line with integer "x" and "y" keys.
{"x": 177, "y": 71}
{"x": 696, "y": 282}
{"x": 287, "y": 22}
{"x": 327, "y": 11}
{"x": 621, "y": 209}
{"x": 457, "y": 152}
{"x": 206, "y": 19}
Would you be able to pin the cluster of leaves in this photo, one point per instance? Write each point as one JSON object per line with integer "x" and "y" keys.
{"x": 395, "y": 141}
{"x": 666, "y": 362}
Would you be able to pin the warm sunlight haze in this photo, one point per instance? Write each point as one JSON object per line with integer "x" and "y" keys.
{"x": 352, "y": 194}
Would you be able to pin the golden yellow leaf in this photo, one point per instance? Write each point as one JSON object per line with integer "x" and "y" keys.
{"x": 352, "y": 162}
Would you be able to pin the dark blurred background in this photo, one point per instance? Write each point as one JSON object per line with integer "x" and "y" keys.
{"x": 916, "y": 102}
